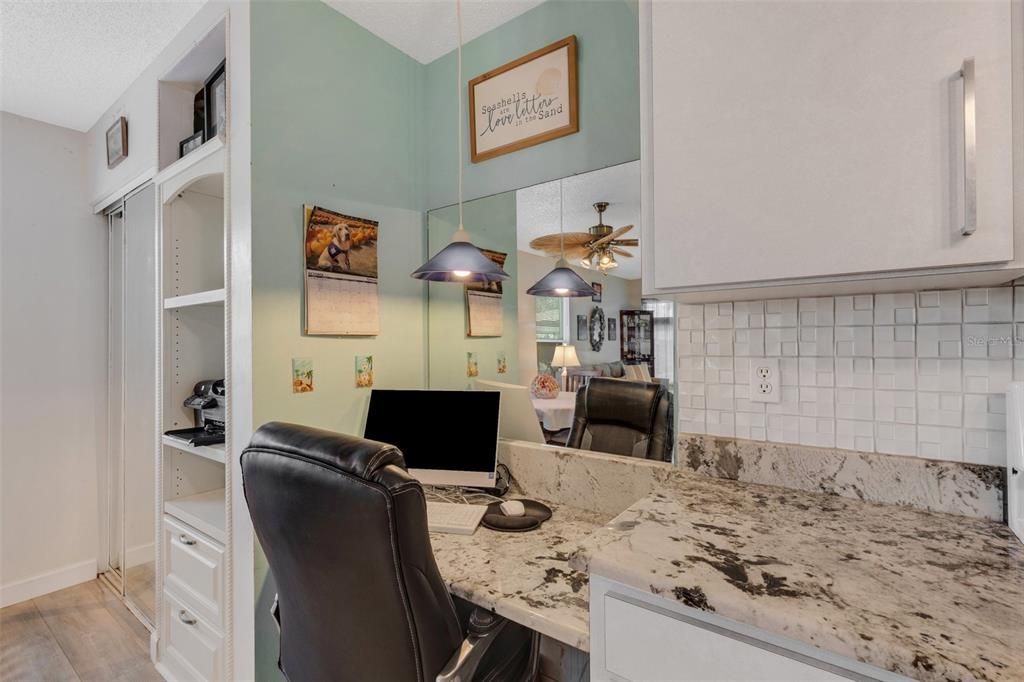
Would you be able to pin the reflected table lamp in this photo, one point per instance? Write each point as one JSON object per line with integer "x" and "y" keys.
{"x": 565, "y": 357}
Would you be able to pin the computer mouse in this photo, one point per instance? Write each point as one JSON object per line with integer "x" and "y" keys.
{"x": 512, "y": 508}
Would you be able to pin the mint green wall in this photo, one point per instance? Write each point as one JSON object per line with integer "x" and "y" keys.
{"x": 491, "y": 223}
{"x": 608, "y": 42}
{"x": 342, "y": 119}
{"x": 335, "y": 114}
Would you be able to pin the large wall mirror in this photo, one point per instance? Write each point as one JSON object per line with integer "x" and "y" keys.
{"x": 479, "y": 334}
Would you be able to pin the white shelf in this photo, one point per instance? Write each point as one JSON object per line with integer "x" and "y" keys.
{"x": 192, "y": 166}
{"x": 204, "y": 512}
{"x": 212, "y": 452}
{"x": 212, "y": 297}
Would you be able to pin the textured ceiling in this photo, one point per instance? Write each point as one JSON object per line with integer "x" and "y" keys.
{"x": 537, "y": 211}
{"x": 425, "y": 29}
{"x": 66, "y": 62}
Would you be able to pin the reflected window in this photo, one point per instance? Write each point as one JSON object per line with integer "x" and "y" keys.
{"x": 552, "y": 315}
{"x": 664, "y": 337}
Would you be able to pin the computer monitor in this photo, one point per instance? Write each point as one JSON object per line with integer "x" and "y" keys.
{"x": 447, "y": 437}
{"x": 518, "y": 417}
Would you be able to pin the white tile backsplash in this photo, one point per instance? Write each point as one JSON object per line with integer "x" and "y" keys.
{"x": 940, "y": 307}
{"x": 939, "y": 341}
{"x": 895, "y": 309}
{"x": 781, "y": 342}
{"x": 908, "y": 374}
{"x": 988, "y": 305}
{"x": 749, "y": 315}
{"x": 718, "y": 316}
{"x": 780, "y": 313}
{"x": 854, "y": 342}
{"x": 856, "y": 311}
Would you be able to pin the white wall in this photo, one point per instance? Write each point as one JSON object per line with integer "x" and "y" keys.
{"x": 53, "y": 312}
{"x": 139, "y": 105}
{"x": 920, "y": 374}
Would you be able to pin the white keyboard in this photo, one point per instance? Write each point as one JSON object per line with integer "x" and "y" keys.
{"x": 446, "y": 517}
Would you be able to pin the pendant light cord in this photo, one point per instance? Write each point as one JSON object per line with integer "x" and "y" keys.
{"x": 458, "y": 88}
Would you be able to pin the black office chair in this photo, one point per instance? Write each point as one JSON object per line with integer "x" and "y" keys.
{"x": 623, "y": 418}
{"x": 344, "y": 529}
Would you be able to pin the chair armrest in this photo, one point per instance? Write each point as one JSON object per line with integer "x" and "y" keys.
{"x": 484, "y": 627}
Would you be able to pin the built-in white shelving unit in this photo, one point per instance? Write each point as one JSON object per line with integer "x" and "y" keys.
{"x": 193, "y": 507}
{"x": 212, "y": 297}
{"x": 213, "y": 453}
{"x": 203, "y": 511}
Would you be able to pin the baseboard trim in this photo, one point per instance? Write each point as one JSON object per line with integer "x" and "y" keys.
{"x": 30, "y": 588}
{"x": 140, "y": 554}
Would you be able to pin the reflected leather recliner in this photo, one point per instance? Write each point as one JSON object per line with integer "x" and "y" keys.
{"x": 623, "y": 418}
{"x": 344, "y": 529}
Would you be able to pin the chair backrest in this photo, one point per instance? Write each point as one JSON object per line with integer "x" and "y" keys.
{"x": 623, "y": 418}
{"x": 578, "y": 378}
{"x": 344, "y": 529}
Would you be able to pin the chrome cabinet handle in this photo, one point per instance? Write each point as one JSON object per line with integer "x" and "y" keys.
{"x": 970, "y": 151}
{"x": 186, "y": 540}
{"x": 185, "y": 618}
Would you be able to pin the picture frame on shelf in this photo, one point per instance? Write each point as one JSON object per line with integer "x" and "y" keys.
{"x": 215, "y": 91}
{"x": 199, "y": 112}
{"x": 117, "y": 142}
{"x": 190, "y": 144}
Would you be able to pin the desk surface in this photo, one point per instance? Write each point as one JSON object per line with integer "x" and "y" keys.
{"x": 525, "y": 576}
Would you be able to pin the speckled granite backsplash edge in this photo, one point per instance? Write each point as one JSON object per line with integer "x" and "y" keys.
{"x": 974, "y": 490}
{"x": 609, "y": 483}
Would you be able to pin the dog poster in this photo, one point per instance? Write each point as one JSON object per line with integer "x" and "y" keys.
{"x": 341, "y": 274}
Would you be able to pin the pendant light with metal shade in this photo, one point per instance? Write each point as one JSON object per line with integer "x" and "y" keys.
{"x": 460, "y": 261}
{"x": 563, "y": 280}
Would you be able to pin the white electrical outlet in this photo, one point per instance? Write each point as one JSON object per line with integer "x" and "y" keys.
{"x": 765, "y": 380}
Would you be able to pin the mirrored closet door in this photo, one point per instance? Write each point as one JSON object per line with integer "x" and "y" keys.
{"x": 130, "y": 476}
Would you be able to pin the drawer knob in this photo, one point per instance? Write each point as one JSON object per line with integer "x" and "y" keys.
{"x": 185, "y": 618}
{"x": 186, "y": 540}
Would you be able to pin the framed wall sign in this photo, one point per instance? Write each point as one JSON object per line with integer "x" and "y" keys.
{"x": 117, "y": 142}
{"x": 525, "y": 102}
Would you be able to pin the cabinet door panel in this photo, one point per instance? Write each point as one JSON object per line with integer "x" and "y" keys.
{"x": 802, "y": 139}
{"x": 645, "y": 645}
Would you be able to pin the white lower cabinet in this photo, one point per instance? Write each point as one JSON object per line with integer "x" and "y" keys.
{"x": 637, "y": 636}
{"x": 192, "y": 608}
{"x": 194, "y": 570}
{"x": 192, "y": 649}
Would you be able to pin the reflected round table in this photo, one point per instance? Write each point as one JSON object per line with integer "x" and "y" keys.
{"x": 556, "y": 414}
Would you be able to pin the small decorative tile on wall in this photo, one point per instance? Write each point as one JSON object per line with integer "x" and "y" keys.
{"x": 921, "y": 374}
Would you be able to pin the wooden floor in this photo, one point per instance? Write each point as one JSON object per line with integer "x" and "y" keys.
{"x": 140, "y": 581}
{"x": 81, "y": 633}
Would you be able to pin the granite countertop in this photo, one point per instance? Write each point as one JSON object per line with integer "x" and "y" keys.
{"x": 931, "y": 596}
{"x": 525, "y": 576}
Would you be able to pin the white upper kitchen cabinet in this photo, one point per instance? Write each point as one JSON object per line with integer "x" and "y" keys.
{"x": 826, "y": 140}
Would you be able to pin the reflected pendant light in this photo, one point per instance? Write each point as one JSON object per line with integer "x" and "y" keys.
{"x": 563, "y": 280}
{"x": 460, "y": 261}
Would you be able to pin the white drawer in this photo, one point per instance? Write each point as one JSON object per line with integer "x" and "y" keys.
{"x": 192, "y": 650}
{"x": 194, "y": 567}
{"x": 641, "y": 644}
